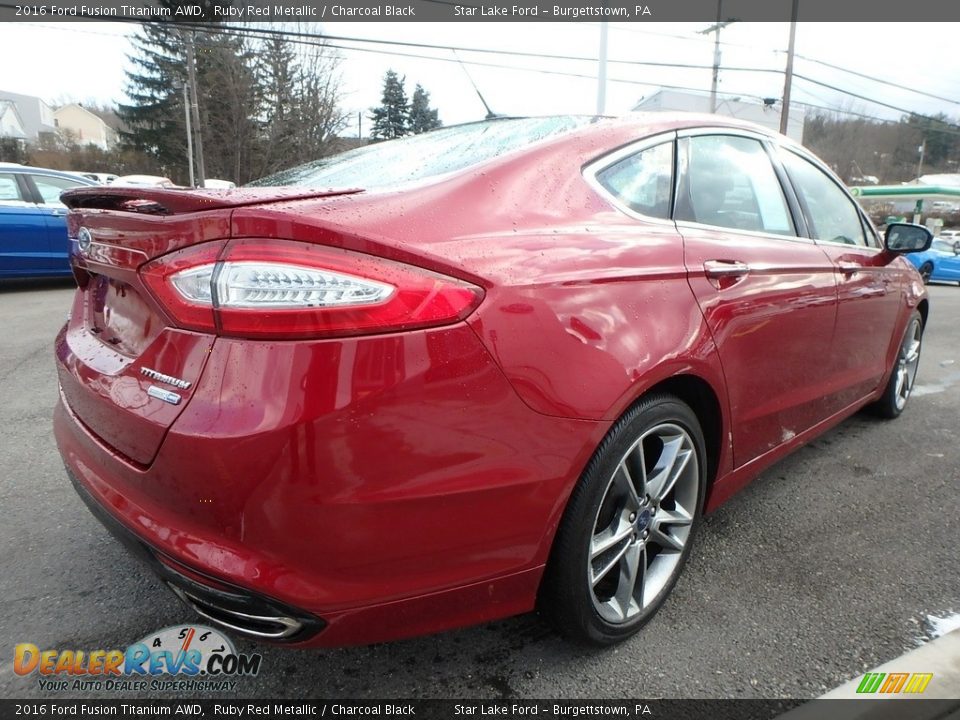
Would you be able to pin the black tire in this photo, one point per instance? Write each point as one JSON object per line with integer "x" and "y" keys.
{"x": 580, "y": 596}
{"x": 926, "y": 270}
{"x": 895, "y": 396}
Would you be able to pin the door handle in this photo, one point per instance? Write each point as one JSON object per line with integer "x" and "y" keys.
{"x": 848, "y": 268}
{"x": 59, "y": 212}
{"x": 725, "y": 268}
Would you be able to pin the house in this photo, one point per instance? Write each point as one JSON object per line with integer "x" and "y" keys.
{"x": 11, "y": 125}
{"x": 761, "y": 113}
{"x": 79, "y": 125}
{"x": 35, "y": 115}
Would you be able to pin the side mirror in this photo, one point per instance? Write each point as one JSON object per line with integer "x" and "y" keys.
{"x": 956, "y": 248}
{"x": 904, "y": 238}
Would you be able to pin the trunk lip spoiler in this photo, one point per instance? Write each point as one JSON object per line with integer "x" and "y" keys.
{"x": 175, "y": 201}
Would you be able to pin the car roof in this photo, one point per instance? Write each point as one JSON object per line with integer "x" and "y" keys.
{"x": 66, "y": 175}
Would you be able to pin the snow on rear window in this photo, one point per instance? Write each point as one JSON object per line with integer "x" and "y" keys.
{"x": 418, "y": 157}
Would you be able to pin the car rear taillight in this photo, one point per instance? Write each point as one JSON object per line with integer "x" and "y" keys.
{"x": 286, "y": 289}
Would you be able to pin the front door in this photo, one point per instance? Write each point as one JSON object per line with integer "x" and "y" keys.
{"x": 868, "y": 288}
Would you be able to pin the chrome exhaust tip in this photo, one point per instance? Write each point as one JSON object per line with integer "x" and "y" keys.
{"x": 259, "y": 627}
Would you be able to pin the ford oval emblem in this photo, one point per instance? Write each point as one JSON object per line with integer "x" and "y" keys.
{"x": 84, "y": 240}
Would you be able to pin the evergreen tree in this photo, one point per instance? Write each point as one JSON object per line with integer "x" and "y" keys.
{"x": 155, "y": 78}
{"x": 230, "y": 97}
{"x": 279, "y": 117}
{"x": 390, "y": 120}
{"x": 264, "y": 105}
{"x": 422, "y": 116}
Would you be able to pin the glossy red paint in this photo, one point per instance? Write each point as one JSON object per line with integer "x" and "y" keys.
{"x": 402, "y": 483}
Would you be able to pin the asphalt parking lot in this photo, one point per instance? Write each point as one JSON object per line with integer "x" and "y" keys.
{"x": 826, "y": 565}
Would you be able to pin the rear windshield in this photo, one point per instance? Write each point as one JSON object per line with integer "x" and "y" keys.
{"x": 418, "y": 157}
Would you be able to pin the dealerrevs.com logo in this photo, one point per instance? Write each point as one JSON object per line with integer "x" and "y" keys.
{"x": 180, "y": 658}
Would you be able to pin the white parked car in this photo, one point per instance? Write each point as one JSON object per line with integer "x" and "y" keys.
{"x": 145, "y": 181}
{"x": 102, "y": 178}
{"x": 214, "y": 184}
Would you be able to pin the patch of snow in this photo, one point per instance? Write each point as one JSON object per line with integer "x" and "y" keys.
{"x": 942, "y": 625}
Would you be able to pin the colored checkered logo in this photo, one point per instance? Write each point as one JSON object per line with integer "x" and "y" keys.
{"x": 894, "y": 683}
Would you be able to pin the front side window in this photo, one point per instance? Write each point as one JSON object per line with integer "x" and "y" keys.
{"x": 50, "y": 187}
{"x": 642, "y": 181}
{"x": 833, "y": 215}
{"x": 731, "y": 183}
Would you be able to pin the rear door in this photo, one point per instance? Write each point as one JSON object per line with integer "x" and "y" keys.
{"x": 46, "y": 190}
{"x": 868, "y": 286}
{"x": 768, "y": 294}
{"x": 23, "y": 231}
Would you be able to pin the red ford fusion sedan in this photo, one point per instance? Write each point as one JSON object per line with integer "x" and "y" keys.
{"x": 459, "y": 376}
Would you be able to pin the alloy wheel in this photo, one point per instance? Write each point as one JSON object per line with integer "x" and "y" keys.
{"x": 643, "y": 523}
{"x": 907, "y": 363}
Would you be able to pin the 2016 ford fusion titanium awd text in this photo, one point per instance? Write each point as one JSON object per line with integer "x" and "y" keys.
{"x": 458, "y": 376}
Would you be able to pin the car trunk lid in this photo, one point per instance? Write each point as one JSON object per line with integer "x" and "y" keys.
{"x": 125, "y": 371}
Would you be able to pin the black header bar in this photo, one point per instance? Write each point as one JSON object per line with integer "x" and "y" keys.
{"x": 640, "y": 11}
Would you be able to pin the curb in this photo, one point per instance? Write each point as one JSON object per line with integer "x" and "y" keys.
{"x": 940, "y": 656}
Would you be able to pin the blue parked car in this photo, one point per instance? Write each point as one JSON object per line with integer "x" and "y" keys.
{"x": 33, "y": 226}
{"x": 940, "y": 263}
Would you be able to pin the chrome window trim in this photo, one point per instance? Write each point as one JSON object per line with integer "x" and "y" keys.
{"x": 721, "y": 130}
{"x": 750, "y": 233}
{"x": 597, "y": 166}
{"x": 832, "y": 243}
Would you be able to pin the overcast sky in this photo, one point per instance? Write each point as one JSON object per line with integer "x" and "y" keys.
{"x": 87, "y": 62}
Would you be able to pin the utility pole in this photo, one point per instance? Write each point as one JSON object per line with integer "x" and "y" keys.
{"x": 186, "y": 112}
{"x": 923, "y": 151}
{"x": 720, "y": 24}
{"x": 602, "y": 72}
{"x": 195, "y": 109}
{"x": 788, "y": 80}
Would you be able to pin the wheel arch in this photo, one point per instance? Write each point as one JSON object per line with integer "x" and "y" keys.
{"x": 705, "y": 402}
{"x": 924, "y": 309}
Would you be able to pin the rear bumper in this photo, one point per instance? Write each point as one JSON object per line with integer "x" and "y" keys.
{"x": 368, "y": 489}
{"x": 235, "y": 608}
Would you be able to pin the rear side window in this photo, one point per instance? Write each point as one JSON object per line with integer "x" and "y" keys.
{"x": 833, "y": 214}
{"x": 642, "y": 181}
{"x": 9, "y": 190}
{"x": 731, "y": 183}
{"x": 51, "y": 187}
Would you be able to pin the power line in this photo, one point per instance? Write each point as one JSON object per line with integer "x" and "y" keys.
{"x": 806, "y": 58}
{"x": 322, "y": 40}
{"x": 551, "y": 56}
{"x": 876, "y": 79}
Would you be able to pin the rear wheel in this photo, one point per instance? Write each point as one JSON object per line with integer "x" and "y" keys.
{"x": 628, "y": 527}
{"x": 926, "y": 270}
{"x": 904, "y": 374}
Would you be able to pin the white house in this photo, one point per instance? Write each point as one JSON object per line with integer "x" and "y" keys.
{"x": 83, "y": 127}
{"x": 11, "y": 125}
{"x": 35, "y": 115}
{"x": 752, "y": 111}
